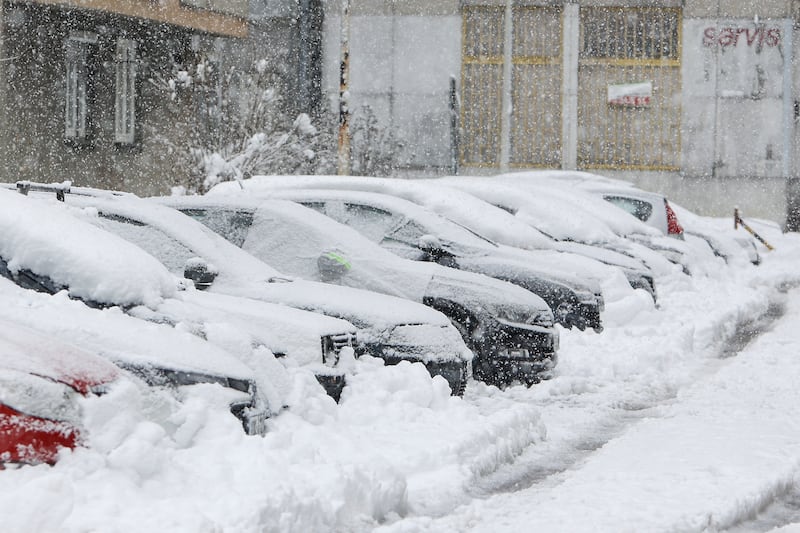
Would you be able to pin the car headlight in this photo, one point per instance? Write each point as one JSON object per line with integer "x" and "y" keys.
{"x": 333, "y": 344}
{"x": 522, "y": 315}
{"x": 588, "y": 298}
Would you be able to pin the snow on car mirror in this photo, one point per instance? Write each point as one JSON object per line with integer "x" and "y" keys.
{"x": 332, "y": 265}
{"x": 430, "y": 244}
{"x": 200, "y": 272}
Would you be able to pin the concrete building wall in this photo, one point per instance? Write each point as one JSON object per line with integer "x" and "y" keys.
{"x": 739, "y": 76}
{"x": 400, "y": 67}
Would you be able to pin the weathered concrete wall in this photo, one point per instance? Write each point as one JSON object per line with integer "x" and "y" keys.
{"x": 733, "y": 75}
{"x": 400, "y": 67}
{"x": 735, "y": 146}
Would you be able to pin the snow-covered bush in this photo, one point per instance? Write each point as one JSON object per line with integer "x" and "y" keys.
{"x": 235, "y": 123}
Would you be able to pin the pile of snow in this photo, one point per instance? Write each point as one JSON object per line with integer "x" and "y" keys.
{"x": 647, "y": 426}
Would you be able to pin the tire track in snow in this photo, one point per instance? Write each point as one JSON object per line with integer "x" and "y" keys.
{"x": 544, "y": 463}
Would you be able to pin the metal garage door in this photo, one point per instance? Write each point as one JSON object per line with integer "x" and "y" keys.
{"x": 629, "y": 88}
{"x": 535, "y": 89}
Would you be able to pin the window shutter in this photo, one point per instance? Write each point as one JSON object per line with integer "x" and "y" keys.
{"x": 76, "y": 113}
{"x": 125, "y": 98}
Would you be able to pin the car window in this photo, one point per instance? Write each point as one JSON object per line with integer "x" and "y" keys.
{"x": 316, "y": 206}
{"x": 370, "y": 221}
{"x": 230, "y": 223}
{"x": 28, "y": 280}
{"x": 167, "y": 250}
{"x": 638, "y": 208}
{"x": 404, "y": 241}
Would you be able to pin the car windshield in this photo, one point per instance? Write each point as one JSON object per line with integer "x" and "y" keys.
{"x": 455, "y": 239}
{"x": 171, "y": 253}
{"x": 233, "y": 225}
{"x": 638, "y": 208}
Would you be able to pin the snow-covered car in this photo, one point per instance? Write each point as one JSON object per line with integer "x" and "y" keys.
{"x": 651, "y": 208}
{"x": 720, "y": 236}
{"x": 514, "y": 231}
{"x": 509, "y": 329}
{"x": 392, "y": 328}
{"x": 592, "y": 220}
{"x": 44, "y": 247}
{"x": 413, "y": 232}
{"x": 157, "y": 354}
{"x": 654, "y": 209}
{"x": 40, "y": 381}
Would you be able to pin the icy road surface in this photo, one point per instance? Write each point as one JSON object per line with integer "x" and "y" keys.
{"x": 666, "y": 421}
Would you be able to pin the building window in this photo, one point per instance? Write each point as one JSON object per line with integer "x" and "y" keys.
{"x": 76, "y": 119}
{"x": 630, "y": 33}
{"x": 125, "y": 88}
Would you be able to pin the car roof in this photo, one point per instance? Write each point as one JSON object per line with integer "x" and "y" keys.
{"x": 42, "y": 236}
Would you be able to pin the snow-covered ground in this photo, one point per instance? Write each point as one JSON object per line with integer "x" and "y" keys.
{"x": 666, "y": 421}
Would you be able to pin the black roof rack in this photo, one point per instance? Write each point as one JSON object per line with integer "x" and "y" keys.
{"x": 24, "y": 187}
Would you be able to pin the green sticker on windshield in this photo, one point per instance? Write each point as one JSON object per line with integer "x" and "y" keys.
{"x": 339, "y": 259}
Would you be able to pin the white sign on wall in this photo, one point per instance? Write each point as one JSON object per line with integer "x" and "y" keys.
{"x": 631, "y": 94}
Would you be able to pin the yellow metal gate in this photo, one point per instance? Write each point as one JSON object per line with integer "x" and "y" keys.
{"x": 622, "y": 48}
{"x": 535, "y": 127}
{"x": 536, "y": 87}
{"x": 482, "y": 84}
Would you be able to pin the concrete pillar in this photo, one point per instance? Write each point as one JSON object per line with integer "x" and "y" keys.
{"x": 792, "y": 205}
{"x": 569, "y": 88}
{"x": 790, "y": 82}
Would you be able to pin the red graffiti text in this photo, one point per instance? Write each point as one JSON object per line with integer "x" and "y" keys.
{"x": 742, "y": 37}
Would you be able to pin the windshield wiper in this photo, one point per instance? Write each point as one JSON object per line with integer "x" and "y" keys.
{"x": 279, "y": 279}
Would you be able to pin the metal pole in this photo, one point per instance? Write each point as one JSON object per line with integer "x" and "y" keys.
{"x": 454, "y": 140}
{"x": 506, "y": 109}
{"x": 788, "y": 100}
{"x": 790, "y": 115}
{"x": 304, "y": 56}
{"x": 344, "y": 96}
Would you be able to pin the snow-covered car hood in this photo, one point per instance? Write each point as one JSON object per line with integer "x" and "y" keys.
{"x": 134, "y": 343}
{"x": 25, "y": 350}
{"x": 282, "y": 329}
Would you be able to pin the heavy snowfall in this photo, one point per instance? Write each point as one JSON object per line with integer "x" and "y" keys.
{"x": 681, "y": 416}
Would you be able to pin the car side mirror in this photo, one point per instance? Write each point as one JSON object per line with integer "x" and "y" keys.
{"x": 430, "y": 244}
{"x": 200, "y": 272}
{"x": 332, "y": 265}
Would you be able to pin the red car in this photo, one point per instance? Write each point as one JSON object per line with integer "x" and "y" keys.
{"x": 41, "y": 380}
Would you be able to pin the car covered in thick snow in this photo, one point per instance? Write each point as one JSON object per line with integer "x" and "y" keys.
{"x": 655, "y": 210}
{"x": 413, "y": 232}
{"x": 40, "y": 382}
{"x": 392, "y": 328}
{"x": 591, "y": 219}
{"x": 44, "y": 247}
{"x": 509, "y": 329}
{"x": 157, "y": 354}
